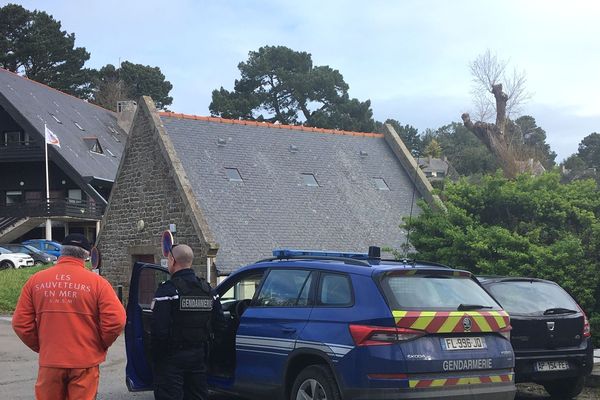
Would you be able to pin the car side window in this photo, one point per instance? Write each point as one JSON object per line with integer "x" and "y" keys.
{"x": 285, "y": 288}
{"x": 243, "y": 289}
{"x": 335, "y": 290}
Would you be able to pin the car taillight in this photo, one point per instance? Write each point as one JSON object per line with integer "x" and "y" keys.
{"x": 367, "y": 335}
{"x": 506, "y": 332}
{"x": 587, "y": 330}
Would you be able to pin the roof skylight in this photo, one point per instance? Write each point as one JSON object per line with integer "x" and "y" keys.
{"x": 233, "y": 175}
{"x": 309, "y": 180}
{"x": 380, "y": 184}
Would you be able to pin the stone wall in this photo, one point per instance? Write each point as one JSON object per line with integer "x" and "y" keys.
{"x": 145, "y": 190}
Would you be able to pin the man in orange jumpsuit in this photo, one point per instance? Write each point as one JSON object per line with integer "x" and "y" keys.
{"x": 70, "y": 316}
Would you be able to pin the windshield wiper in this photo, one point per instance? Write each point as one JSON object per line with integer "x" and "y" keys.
{"x": 559, "y": 310}
{"x": 466, "y": 307}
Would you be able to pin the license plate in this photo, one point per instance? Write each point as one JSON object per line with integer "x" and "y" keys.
{"x": 543, "y": 366}
{"x": 464, "y": 343}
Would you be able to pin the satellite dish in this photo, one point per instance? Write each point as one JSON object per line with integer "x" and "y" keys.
{"x": 95, "y": 257}
{"x": 167, "y": 242}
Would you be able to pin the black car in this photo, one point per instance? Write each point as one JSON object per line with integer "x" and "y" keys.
{"x": 550, "y": 333}
{"x": 39, "y": 257}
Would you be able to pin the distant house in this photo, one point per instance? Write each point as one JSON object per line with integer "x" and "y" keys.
{"x": 81, "y": 170}
{"x": 235, "y": 190}
{"x": 437, "y": 169}
{"x": 531, "y": 166}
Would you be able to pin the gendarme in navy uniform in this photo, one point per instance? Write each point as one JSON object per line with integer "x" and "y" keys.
{"x": 186, "y": 313}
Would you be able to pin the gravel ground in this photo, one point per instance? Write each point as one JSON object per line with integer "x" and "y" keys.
{"x": 531, "y": 391}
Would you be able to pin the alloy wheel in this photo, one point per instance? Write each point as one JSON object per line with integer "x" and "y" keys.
{"x": 311, "y": 389}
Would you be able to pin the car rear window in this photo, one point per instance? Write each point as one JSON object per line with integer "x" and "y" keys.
{"x": 435, "y": 292}
{"x": 531, "y": 297}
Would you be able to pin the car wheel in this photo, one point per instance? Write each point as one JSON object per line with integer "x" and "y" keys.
{"x": 315, "y": 382}
{"x": 565, "y": 388}
{"x": 37, "y": 263}
{"x": 6, "y": 264}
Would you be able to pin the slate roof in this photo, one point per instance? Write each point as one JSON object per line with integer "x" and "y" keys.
{"x": 272, "y": 207}
{"x": 36, "y": 103}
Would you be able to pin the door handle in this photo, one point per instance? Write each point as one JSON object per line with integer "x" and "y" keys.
{"x": 288, "y": 330}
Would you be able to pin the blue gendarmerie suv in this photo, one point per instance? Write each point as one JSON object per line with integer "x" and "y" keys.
{"x": 327, "y": 325}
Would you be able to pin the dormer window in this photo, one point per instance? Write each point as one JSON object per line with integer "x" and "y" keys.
{"x": 93, "y": 145}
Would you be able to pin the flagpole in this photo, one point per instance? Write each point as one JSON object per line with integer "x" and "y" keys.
{"x": 48, "y": 222}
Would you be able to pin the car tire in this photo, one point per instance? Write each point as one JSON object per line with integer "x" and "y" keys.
{"x": 565, "y": 388}
{"x": 315, "y": 382}
{"x": 6, "y": 264}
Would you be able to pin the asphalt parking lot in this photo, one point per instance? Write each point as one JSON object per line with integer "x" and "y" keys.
{"x": 18, "y": 371}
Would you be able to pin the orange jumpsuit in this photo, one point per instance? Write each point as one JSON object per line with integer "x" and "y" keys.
{"x": 71, "y": 316}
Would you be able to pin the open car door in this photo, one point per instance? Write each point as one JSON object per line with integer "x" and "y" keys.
{"x": 145, "y": 279}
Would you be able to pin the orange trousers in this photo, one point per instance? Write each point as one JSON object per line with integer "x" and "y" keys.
{"x": 67, "y": 383}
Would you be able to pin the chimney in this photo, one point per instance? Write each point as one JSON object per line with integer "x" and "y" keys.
{"x": 125, "y": 113}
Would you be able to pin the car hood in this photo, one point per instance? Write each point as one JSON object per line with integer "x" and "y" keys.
{"x": 16, "y": 255}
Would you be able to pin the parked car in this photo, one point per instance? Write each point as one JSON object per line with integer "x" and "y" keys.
{"x": 323, "y": 325}
{"x": 551, "y": 334}
{"x": 39, "y": 257}
{"x": 8, "y": 259}
{"x": 45, "y": 245}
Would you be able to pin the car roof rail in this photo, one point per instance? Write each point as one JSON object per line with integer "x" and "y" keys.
{"x": 362, "y": 259}
{"x": 349, "y": 261}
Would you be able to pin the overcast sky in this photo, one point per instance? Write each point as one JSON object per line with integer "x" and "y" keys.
{"x": 410, "y": 58}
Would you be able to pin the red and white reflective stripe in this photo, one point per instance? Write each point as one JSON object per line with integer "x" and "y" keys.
{"x": 452, "y": 321}
{"x": 470, "y": 380}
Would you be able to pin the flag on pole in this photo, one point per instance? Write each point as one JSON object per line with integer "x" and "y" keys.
{"x": 51, "y": 138}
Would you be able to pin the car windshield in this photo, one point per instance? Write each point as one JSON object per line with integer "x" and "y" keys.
{"x": 531, "y": 297}
{"x": 32, "y": 249}
{"x": 4, "y": 251}
{"x": 436, "y": 292}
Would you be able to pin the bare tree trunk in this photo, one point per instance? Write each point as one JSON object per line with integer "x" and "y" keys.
{"x": 493, "y": 135}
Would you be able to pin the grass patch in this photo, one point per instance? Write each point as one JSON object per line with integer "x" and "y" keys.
{"x": 11, "y": 283}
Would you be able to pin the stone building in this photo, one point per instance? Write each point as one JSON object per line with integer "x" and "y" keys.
{"x": 235, "y": 190}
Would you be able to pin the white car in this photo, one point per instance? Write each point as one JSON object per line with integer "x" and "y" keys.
{"x": 8, "y": 259}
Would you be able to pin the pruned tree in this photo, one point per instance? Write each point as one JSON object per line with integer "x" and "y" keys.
{"x": 496, "y": 91}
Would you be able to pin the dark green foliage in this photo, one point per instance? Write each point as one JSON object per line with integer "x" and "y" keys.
{"x": 129, "y": 82}
{"x": 33, "y": 44}
{"x": 586, "y": 162}
{"x": 589, "y": 150}
{"x": 531, "y": 226}
{"x": 408, "y": 133}
{"x": 279, "y": 84}
{"x": 529, "y": 140}
{"x": 464, "y": 151}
